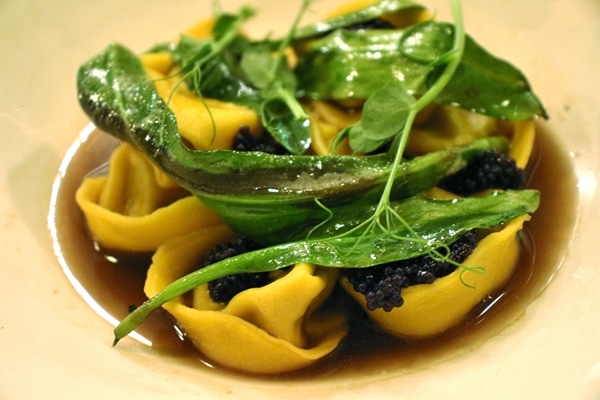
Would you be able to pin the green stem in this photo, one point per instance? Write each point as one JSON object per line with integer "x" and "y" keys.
{"x": 218, "y": 46}
{"x": 455, "y": 57}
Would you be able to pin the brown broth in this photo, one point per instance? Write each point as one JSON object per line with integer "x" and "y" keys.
{"x": 115, "y": 282}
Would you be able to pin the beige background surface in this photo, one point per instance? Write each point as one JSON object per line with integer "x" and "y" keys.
{"x": 53, "y": 346}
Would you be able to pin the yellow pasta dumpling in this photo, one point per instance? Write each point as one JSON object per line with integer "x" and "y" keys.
{"x": 270, "y": 329}
{"x": 426, "y": 311}
{"x": 128, "y": 210}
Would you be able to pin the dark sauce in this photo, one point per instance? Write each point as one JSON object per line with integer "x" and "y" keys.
{"x": 115, "y": 281}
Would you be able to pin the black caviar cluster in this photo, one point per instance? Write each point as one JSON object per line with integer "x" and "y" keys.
{"x": 382, "y": 284}
{"x": 245, "y": 141}
{"x": 222, "y": 290}
{"x": 489, "y": 169}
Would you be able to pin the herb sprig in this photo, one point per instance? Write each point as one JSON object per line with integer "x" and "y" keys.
{"x": 378, "y": 123}
{"x": 253, "y": 73}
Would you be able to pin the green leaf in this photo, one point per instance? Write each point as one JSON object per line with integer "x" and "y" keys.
{"x": 368, "y": 13}
{"x": 189, "y": 50}
{"x": 427, "y": 43}
{"x": 281, "y": 113}
{"x": 257, "y": 63}
{"x": 385, "y": 112}
{"x": 278, "y": 217}
{"x": 359, "y": 142}
{"x": 286, "y": 120}
{"x": 488, "y": 85}
{"x": 353, "y": 64}
{"x": 226, "y": 23}
{"x": 384, "y": 115}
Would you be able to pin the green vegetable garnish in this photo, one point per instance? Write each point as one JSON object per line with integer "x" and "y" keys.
{"x": 355, "y": 64}
{"x": 335, "y": 211}
{"x": 368, "y": 13}
{"x": 232, "y": 68}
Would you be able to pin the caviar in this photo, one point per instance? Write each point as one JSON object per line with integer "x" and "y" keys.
{"x": 382, "y": 284}
{"x": 245, "y": 141}
{"x": 489, "y": 169}
{"x": 222, "y": 290}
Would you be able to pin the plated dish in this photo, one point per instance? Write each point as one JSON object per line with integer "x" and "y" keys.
{"x": 275, "y": 385}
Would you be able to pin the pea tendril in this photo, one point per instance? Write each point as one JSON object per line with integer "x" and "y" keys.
{"x": 452, "y": 60}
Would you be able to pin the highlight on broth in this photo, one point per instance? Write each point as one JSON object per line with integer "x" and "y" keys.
{"x": 378, "y": 156}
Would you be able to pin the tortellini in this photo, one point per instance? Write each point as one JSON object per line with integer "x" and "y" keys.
{"x": 282, "y": 326}
{"x": 270, "y": 329}
{"x": 128, "y": 210}
{"x": 430, "y": 309}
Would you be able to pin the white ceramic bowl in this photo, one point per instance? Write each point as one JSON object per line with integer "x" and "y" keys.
{"x": 52, "y": 345}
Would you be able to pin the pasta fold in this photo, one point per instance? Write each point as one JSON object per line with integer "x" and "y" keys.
{"x": 204, "y": 123}
{"x": 127, "y": 210}
{"x": 266, "y": 330}
{"x": 327, "y": 121}
{"x": 447, "y": 126}
{"x": 426, "y": 311}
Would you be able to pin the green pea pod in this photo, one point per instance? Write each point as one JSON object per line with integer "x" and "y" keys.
{"x": 344, "y": 241}
{"x": 273, "y": 219}
{"x": 260, "y": 195}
